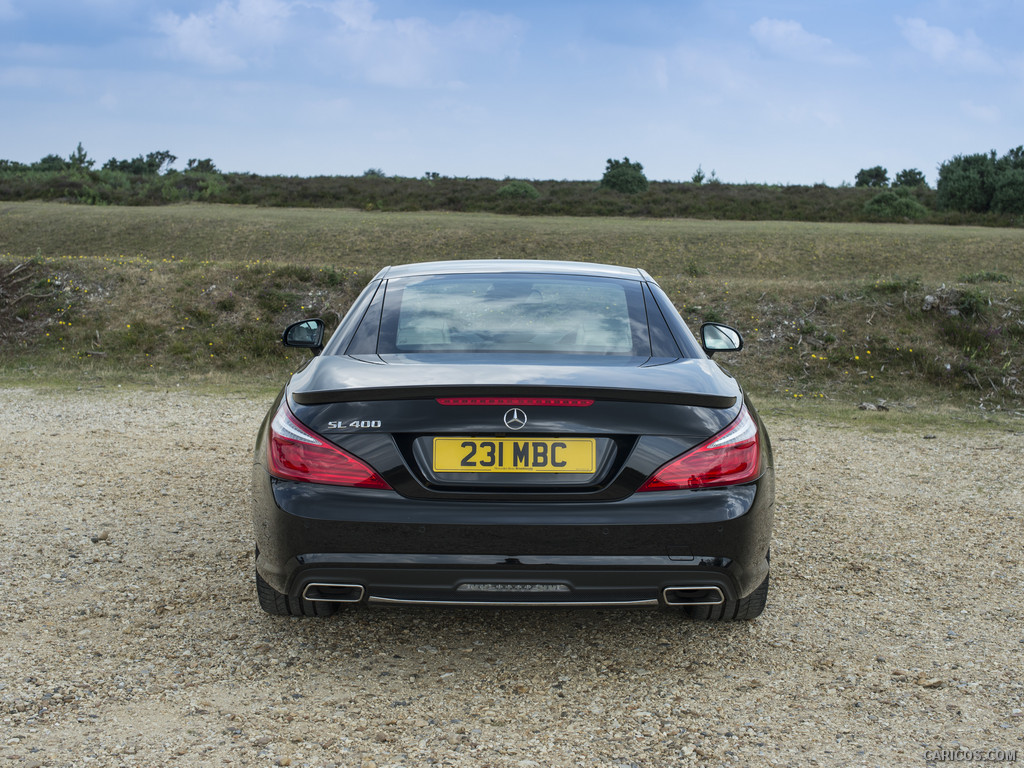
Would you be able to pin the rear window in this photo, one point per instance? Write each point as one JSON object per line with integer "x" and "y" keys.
{"x": 563, "y": 314}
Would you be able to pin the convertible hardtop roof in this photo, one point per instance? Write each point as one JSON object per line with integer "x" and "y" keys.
{"x": 514, "y": 266}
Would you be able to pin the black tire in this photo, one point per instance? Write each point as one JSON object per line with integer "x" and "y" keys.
{"x": 279, "y": 604}
{"x": 749, "y": 607}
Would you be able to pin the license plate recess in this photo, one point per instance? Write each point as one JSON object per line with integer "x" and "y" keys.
{"x": 568, "y": 455}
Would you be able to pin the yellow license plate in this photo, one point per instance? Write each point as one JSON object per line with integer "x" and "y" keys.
{"x": 512, "y": 454}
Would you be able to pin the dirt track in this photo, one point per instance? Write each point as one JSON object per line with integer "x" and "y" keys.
{"x": 129, "y": 632}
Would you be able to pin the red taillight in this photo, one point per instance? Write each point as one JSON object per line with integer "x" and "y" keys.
{"x": 729, "y": 458}
{"x": 296, "y": 453}
{"x": 568, "y": 402}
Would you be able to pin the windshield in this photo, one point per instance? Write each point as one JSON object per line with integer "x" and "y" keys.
{"x": 565, "y": 314}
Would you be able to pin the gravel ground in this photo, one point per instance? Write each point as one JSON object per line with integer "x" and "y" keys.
{"x": 130, "y": 633}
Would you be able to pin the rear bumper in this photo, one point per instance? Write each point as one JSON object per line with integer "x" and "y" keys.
{"x": 629, "y": 582}
{"x": 371, "y": 546}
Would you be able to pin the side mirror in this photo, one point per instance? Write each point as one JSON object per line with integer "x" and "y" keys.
{"x": 715, "y": 337}
{"x": 306, "y": 334}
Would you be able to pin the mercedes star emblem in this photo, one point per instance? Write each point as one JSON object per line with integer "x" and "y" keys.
{"x": 515, "y": 418}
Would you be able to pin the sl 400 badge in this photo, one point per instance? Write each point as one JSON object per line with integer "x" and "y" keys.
{"x": 357, "y": 424}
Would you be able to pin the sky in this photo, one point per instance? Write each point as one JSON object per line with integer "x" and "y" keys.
{"x": 767, "y": 91}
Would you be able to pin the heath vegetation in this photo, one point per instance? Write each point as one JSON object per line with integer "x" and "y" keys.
{"x": 845, "y": 312}
{"x": 971, "y": 189}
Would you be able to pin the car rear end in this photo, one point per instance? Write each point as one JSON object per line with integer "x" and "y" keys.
{"x": 408, "y": 474}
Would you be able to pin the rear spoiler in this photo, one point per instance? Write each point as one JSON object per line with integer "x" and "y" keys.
{"x": 349, "y": 395}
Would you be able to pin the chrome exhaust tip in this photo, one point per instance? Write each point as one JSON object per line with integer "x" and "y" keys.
{"x": 692, "y": 596}
{"x": 333, "y": 593}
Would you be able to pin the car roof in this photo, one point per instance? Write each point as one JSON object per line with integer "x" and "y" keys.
{"x": 513, "y": 266}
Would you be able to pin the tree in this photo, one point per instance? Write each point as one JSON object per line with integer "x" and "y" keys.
{"x": 872, "y": 177}
{"x": 1013, "y": 159}
{"x": 51, "y": 163}
{"x": 624, "y": 176}
{"x": 201, "y": 166}
{"x": 909, "y": 177}
{"x": 1008, "y": 194}
{"x": 967, "y": 183}
{"x": 79, "y": 159}
{"x": 982, "y": 183}
{"x": 698, "y": 176}
{"x": 150, "y": 165}
{"x": 155, "y": 161}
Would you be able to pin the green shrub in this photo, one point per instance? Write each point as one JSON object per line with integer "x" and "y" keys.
{"x": 894, "y": 205}
{"x": 519, "y": 190}
{"x": 624, "y": 176}
{"x": 973, "y": 303}
{"x": 694, "y": 268}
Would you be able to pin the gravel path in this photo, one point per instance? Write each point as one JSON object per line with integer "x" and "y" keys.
{"x": 130, "y": 634}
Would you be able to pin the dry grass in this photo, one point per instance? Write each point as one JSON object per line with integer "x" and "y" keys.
{"x": 830, "y": 311}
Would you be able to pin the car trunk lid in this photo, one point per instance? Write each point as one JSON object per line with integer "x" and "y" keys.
{"x": 503, "y": 428}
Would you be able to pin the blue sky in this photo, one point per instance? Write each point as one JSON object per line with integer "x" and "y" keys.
{"x": 773, "y": 91}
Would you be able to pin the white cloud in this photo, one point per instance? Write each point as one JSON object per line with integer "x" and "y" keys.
{"x": 7, "y": 10}
{"x": 789, "y": 39}
{"x": 946, "y": 47}
{"x": 397, "y": 52}
{"x": 339, "y": 37}
{"x": 484, "y": 32}
{"x": 355, "y": 15}
{"x": 412, "y": 51}
{"x": 229, "y": 36}
{"x": 193, "y": 39}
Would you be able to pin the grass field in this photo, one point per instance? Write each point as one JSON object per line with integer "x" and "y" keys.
{"x": 844, "y": 313}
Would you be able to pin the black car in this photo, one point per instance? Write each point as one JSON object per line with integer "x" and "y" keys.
{"x": 513, "y": 433}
